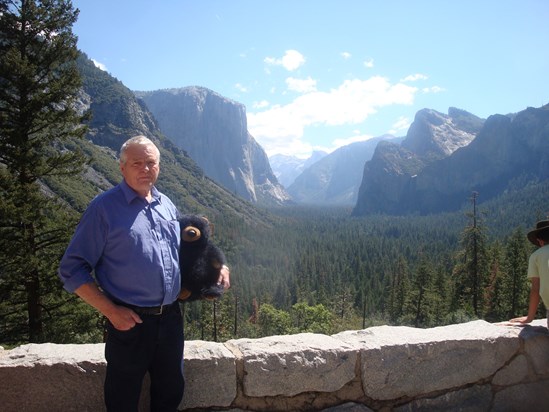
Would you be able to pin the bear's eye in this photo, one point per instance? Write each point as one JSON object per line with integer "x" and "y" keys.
{"x": 191, "y": 234}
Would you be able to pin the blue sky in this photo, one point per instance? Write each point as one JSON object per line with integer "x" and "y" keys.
{"x": 319, "y": 74}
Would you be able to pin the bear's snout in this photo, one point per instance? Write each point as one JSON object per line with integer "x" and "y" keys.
{"x": 191, "y": 234}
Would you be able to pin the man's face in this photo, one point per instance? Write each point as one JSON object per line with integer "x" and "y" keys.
{"x": 141, "y": 168}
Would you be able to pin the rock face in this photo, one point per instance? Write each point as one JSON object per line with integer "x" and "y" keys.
{"x": 388, "y": 179}
{"x": 287, "y": 168}
{"x": 434, "y": 135}
{"x": 474, "y": 366}
{"x": 213, "y": 131}
{"x": 335, "y": 179}
{"x": 434, "y": 170}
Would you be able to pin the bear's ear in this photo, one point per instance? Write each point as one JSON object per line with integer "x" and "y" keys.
{"x": 191, "y": 234}
{"x": 208, "y": 227}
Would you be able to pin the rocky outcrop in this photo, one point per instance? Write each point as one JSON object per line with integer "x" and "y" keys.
{"x": 213, "y": 131}
{"x": 335, "y": 179}
{"x": 434, "y": 135}
{"x": 508, "y": 150}
{"x": 474, "y": 366}
{"x": 388, "y": 179}
{"x": 508, "y": 153}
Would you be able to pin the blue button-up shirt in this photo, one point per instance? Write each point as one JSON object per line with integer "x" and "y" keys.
{"x": 131, "y": 246}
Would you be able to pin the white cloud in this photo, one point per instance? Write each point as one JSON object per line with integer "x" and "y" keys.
{"x": 292, "y": 60}
{"x": 351, "y": 103}
{"x": 346, "y": 55}
{"x": 260, "y": 105}
{"x": 369, "y": 63}
{"x": 301, "y": 85}
{"x": 99, "y": 65}
{"x": 414, "y": 77}
{"x": 433, "y": 89}
{"x": 241, "y": 88}
{"x": 400, "y": 126}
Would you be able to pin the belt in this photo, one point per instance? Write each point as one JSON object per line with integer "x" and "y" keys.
{"x": 150, "y": 310}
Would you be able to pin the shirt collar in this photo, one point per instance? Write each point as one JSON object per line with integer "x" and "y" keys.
{"x": 131, "y": 194}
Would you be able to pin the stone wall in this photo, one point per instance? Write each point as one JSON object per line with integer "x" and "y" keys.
{"x": 475, "y": 366}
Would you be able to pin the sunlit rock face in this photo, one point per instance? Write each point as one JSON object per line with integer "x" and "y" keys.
{"x": 445, "y": 158}
{"x": 213, "y": 131}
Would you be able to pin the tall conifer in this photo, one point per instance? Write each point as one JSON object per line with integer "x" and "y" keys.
{"x": 39, "y": 84}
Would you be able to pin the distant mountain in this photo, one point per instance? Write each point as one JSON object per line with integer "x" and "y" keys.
{"x": 287, "y": 168}
{"x": 213, "y": 131}
{"x": 335, "y": 179}
{"x": 508, "y": 153}
{"x": 435, "y": 135}
{"x": 117, "y": 115}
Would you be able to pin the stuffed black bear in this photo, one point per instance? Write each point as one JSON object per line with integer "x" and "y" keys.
{"x": 200, "y": 260}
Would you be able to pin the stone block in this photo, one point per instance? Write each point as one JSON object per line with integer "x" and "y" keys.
{"x": 515, "y": 372}
{"x": 536, "y": 341}
{"x": 474, "y": 399}
{"x": 293, "y": 364}
{"x": 210, "y": 375}
{"x": 531, "y": 397}
{"x": 47, "y": 377}
{"x": 409, "y": 362}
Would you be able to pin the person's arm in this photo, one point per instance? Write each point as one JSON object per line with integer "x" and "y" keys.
{"x": 533, "y": 305}
{"x": 121, "y": 317}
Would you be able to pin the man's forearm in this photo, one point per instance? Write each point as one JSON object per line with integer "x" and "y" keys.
{"x": 93, "y": 296}
{"x": 533, "y": 305}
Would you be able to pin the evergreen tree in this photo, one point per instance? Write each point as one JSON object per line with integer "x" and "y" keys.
{"x": 471, "y": 270}
{"x": 494, "y": 296}
{"x": 421, "y": 294}
{"x": 39, "y": 84}
{"x": 515, "y": 284}
{"x": 439, "y": 303}
{"x": 398, "y": 291}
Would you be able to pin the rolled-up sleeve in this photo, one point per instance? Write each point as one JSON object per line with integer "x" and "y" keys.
{"x": 83, "y": 251}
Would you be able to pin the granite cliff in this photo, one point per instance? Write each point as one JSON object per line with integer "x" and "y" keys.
{"x": 213, "y": 131}
{"x": 507, "y": 153}
{"x": 388, "y": 178}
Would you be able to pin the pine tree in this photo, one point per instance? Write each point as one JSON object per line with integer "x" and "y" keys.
{"x": 439, "y": 304}
{"x": 398, "y": 291}
{"x": 516, "y": 285}
{"x": 39, "y": 84}
{"x": 495, "y": 299}
{"x": 471, "y": 270}
{"x": 421, "y": 294}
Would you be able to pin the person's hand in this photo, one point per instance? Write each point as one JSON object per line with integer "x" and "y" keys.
{"x": 224, "y": 277}
{"x": 123, "y": 318}
{"x": 521, "y": 320}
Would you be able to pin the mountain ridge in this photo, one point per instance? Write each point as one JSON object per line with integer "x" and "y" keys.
{"x": 335, "y": 179}
{"x": 506, "y": 148}
{"x": 117, "y": 115}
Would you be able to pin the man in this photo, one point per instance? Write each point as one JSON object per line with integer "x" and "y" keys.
{"x": 129, "y": 238}
{"x": 538, "y": 272}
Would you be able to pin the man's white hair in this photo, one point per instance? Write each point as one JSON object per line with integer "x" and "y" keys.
{"x": 137, "y": 140}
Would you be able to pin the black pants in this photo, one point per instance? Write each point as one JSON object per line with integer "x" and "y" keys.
{"x": 154, "y": 346}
